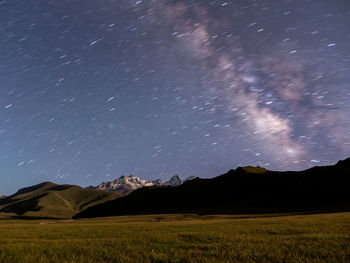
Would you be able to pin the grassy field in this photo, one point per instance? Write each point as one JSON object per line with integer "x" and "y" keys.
{"x": 179, "y": 238}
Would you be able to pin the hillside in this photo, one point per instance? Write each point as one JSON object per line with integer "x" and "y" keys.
{"x": 244, "y": 190}
{"x": 49, "y": 200}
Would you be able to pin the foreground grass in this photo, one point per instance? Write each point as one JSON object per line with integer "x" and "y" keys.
{"x": 179, "y": 238}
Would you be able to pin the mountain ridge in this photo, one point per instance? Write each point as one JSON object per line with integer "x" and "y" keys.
{"x": 50, "y": 200}
{"x": 246, "y": 189}
{"x": 126, "y": 184}
{"x": 249, "y": 189}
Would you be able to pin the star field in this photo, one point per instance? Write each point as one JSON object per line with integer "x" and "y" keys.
{"x": 91, "y": 90}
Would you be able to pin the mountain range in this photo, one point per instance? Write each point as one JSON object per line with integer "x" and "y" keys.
{"x": 244, "y": 190}
{"x": 49, "y": 200}
{"x": 127, "y": 184}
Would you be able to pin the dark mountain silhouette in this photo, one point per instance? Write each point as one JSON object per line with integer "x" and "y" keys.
{"x": 49, "y": 200}
{"x": 190, "y": 178}
{"x": 244, "y": 190}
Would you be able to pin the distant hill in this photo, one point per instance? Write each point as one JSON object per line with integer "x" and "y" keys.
{"x": 49, "y": 200}
{"x": 244, "y": 190}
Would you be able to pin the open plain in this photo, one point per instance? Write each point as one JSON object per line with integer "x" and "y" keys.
{"x": 179, "y": 238}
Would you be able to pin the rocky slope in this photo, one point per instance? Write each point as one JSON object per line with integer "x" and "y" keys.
{"x": 174, "y": 181}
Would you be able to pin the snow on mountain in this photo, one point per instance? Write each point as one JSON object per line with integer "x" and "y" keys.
{"x": 126, "y": 184}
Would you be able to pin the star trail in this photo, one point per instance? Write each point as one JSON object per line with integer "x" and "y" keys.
{"x": 91, "y": 90}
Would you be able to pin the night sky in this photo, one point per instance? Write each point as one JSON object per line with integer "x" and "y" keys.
{"x": 91, "y": 90}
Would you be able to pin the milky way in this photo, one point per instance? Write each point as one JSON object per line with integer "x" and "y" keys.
{"x": 91, "y": 90}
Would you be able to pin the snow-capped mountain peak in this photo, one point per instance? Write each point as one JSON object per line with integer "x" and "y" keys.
{"x": 126, "y": 184}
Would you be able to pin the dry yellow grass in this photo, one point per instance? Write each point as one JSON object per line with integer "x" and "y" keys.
{"x": 179, "y": 238}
